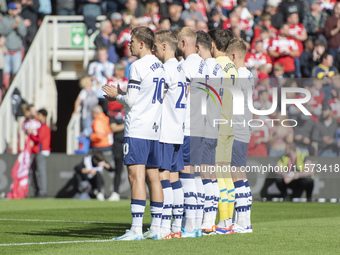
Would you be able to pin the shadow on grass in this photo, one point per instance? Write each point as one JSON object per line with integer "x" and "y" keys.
{"x": 96, "y": 231}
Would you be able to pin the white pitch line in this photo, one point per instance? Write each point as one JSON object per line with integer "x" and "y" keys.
{"x": 66, "y": 221}
{"x": 61, "y": 242}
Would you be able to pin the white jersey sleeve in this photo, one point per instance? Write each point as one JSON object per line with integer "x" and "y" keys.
{"x": 174, "y": 104}
{"x": 196, "y": 72}
{"x": 215, "y": 82}
{"x": 240, "y": 122}
{"x": 142, "y": 119}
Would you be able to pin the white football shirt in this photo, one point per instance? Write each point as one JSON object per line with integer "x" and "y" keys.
{"x": 174, "y": 104}
{"x": 240, "y": 122}
{"x": 142, "y": 118}
{"x": 196, "y": 71}
{"x": 216, "y": 81}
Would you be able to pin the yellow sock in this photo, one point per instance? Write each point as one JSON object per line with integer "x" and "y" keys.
{"x": 223, "y": 202}
{"x": 231, "y": 197}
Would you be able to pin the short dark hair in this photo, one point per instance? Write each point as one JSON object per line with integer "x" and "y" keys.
{"x": 325, "y": 55}
{"x": 144, "y": 34}
{"x": 97, "y": 157}
{"x": 29, "y": 107}
{"x": 43, "y": 112}
{"x": 203, "y": 39}
{"x": 221, "y": 38}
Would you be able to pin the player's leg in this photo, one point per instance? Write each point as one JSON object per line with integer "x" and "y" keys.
{"x": 167, "y": 205}
{"x": 207, "y": 174}
{"x": 118, "y": 158}
{"x": 187, "y": 179}
{"x": 155, "y": 189}
{"x": 156, "y": 203}
{"x": 177, "y": 206}
{"x": 239, "y": 160}
{"x": 177, "y": 165}
{"x": 136, "y": 155}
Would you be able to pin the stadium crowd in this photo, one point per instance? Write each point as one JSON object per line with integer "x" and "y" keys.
{"x": 286, "y": 39}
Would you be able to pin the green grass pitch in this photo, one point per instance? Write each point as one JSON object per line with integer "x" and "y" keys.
{"x": 66, "y": 226}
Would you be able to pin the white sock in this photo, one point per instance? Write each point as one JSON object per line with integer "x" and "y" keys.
{"x": 241, "y": 201}
{"x": 156, "y": 209}
{"x": 137, "y": 211}
{"x": 208, "y": 216}
{"x": 249, "y": 203}
{"x": 177, "y": 206}
{"x": 200, "y": 200}
{"x": 216, "y": 190}
{"x": 190, "y": 200}
{"x": 167, "y": 207}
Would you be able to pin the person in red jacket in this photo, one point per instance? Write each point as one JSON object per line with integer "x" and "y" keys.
{"x": 41, "y": 149}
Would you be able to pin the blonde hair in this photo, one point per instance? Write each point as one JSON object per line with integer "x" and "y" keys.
{"x": 83, "y": 81}
{"x": 167, "y": 36}
{"x": 186, "y": 32}
{"x": 237, "y": 45}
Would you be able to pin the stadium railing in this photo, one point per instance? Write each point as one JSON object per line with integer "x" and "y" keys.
{"x": 35, "y": 79}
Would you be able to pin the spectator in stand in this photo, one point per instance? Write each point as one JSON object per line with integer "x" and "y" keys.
{"x": 90, "y": 169}
{"x": 192, "y": 12}
{"x": 324, "y": 134}
{"x": 299, "y": 175}
{"x": 117, "y": 127}
{"x": 66, "y": 7}
{"x": 306, "y": 59}
{"x": 314, "y": 22}
{"x": 215, "y": 20}
{"x": 264, "y": 22}
{"x": 246, "y": 16}
{"x": 90, "y": 8}
{"x": 277, "y": 79}
{"x": 14, "y": 30}
{"x": 87, "y": 99}
{"x": 326, "y": 72}
{"x": 257, "y": 58}
{"x": 151, "y": 16}
{"x": 114, "y": 5}
{"x": 288, "y": 7}
{"x": 164, "y": 24}
{"x": 334, "y": 104}
{"x": 319, "y": 49}
{"x": 256, "y": 7}
{"x": 44, "y": 9}
{"x": 101, "y": 138}
{"x": 218, "y": 5}
{"x": 125, "y": 37}
{"x": 283, "y": 50}
{"x": 117, "y": 23}
{"x": 258, "y": 142}
{"x": 303, "y": 134}
{"x": 238, "y": 33}
{"x": 175, "y": 10}
{"x": 276, "y": 16}
{"x": 107, "y": 39}
{"x": 280, "y": 137}
{"x": 41, "y": 150}
{"x": 202, "y": 26}
{"x": 190, "y": 23}
{"x": 118, "y": 79}
{"x": 31, "y": 122}
{"x": 262, "y": 102}
{"x": 298, "y": 32}
{"x": 100, "y": 71}
{"x": 29, "y": 13}
{"x": 332, "y": 30}
{"x": 130, "y": 12}
{"x": 3, "y": 6}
